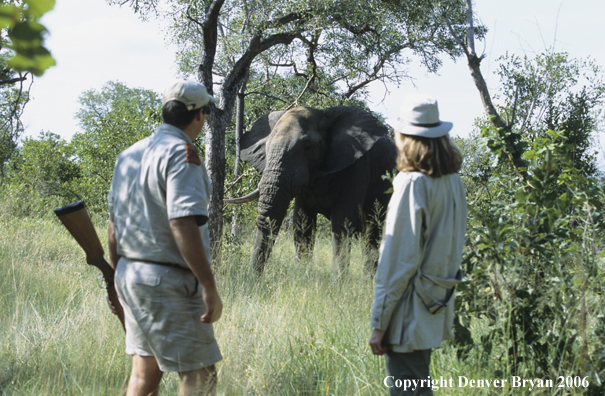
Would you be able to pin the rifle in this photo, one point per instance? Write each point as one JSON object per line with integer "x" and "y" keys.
{"x": 76, "y": 219}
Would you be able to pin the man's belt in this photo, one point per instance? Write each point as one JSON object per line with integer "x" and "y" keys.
{"x": 165, "y": 264}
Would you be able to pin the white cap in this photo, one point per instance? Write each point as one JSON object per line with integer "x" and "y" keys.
{"x": 191, "y": 93}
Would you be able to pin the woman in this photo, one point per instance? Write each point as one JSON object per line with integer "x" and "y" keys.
{"x": 419, "y": 265}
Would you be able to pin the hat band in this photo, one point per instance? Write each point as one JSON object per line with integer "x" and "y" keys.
{"x": 433, "y": 125}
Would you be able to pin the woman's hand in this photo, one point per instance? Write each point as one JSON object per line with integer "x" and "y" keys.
{"x": 376, "y": 344}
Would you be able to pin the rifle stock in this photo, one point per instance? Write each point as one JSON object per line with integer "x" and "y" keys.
{"x": 76, "y": 219}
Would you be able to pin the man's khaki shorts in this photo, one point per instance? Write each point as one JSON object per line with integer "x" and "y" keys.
{"x": 162, "y": 310}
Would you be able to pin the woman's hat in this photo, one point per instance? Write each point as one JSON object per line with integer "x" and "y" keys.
{"x": 419, "y": 116}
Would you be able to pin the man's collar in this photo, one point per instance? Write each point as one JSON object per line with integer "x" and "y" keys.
{"x": 174, "y": 131}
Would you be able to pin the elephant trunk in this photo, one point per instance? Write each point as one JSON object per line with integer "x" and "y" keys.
{"x": 273, "y": 204}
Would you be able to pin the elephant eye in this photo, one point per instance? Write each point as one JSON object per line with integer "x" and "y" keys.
{"x": 308, "y": 146}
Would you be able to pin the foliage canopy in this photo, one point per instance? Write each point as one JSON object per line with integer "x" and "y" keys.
{"x": 21, "y": 52}
{"x": 23, "y": 34}
{"x": 54, "y": 172}
{"x": 535, "y": 222}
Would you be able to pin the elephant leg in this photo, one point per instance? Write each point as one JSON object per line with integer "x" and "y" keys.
{"x": 372, "y": 237}
{"x": 266, "y": 232}
{"x": 371, "y": 244}
{"x": 305, "y": 224}
{"x": 263, "y": 245}
{"x": 342, "y": 232}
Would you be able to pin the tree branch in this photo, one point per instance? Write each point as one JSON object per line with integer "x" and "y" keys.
{"x": 265, "y": 95}
{"x": 353, "y": 29}
{"x": 255, "y": 47}
{"x": 454, "y": 35}
{"x": 470, "y": 31}
{"x": 281, "y": 64}
{"x": 294, "y": 16}
{"x": 474, "y": 65}
{"x": 210, "y": 39}
{"x": 378, "y": 67}
{"x": 310, "y": 60}
{"x": 13, "y": 80}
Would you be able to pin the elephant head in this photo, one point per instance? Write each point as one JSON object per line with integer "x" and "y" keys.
{"x": 296, "y": 149}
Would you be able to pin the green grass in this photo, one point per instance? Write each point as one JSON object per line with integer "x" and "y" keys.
{"x": 295, "y": 331}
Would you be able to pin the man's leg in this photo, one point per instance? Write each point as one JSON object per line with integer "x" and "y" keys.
{"x": 200, "y": 382}
{"x": 145, "y": 376}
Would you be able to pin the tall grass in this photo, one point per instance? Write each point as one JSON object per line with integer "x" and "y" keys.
{"x": 294, "y": 331}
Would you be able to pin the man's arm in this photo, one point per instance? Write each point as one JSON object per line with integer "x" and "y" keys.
{"x": 189, "y": 241}
{"x": 114, "y": 257}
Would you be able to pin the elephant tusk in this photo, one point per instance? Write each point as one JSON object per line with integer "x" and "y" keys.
{"x": 245, "y": 199}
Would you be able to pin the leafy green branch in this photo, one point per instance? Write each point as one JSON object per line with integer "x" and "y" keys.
{"x": 25, "y": 35}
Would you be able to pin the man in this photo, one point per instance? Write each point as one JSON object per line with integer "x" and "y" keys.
{"x": 157, "y": 202}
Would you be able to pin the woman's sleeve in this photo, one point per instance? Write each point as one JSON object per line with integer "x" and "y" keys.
{"x": 401, "y": 250}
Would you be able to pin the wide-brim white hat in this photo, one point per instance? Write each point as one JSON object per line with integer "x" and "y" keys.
{"x": 419, "y": 116}
{"x": 191, "y": 93}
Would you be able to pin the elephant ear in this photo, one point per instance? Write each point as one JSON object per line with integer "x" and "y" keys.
{"x": 350, "y": 133}
{"x": 252, "y": 143}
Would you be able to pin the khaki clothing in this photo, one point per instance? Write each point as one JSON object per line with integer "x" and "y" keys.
{"x": 156, "y": 180}
{"x": 419, "y": 261}
{"x": 162, "y": 310}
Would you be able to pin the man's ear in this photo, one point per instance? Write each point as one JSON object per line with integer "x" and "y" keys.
{"x": 200, "y": 114}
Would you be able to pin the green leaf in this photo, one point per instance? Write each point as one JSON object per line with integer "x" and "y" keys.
{"x": 37, "y": 8}
{"x": 529, "y": 155}
{"x": 27, "y": 31}
{"x": 9, "y": 16}
{"x": 37, "y": 65}
{"x": 521, "y": 196}
{"x": 31, "y": 52}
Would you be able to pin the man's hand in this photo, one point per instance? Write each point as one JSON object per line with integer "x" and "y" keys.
{"x": 376, "y": 344}
{"x": 214, "y": 305}
{"x": 112, "y": 307}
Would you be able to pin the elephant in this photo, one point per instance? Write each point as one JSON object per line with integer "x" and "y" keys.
{"x": 331, "y": 161}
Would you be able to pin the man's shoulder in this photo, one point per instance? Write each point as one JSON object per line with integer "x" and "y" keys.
{"x": 135, "y": 151}
{"x": 175, "y": 145}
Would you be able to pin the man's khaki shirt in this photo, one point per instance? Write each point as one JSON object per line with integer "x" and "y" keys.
{"x": 155, "y": 180}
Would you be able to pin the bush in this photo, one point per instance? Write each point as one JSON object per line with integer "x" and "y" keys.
{"x": 533, "y": 273}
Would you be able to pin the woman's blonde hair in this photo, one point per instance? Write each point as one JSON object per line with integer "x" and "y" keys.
{"x": 434, "y": 157}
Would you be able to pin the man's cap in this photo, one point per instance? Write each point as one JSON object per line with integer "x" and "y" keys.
{"x": 191, "y": 93}
{"x": 419, "y": 116}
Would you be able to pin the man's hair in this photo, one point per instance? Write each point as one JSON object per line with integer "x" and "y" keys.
{"x": 176, "y": 114}
{"x": 434, "y": 157}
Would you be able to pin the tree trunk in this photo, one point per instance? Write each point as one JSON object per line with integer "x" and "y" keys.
{"x": 220, "y": 115}
{"x": 215, "y": 163}
{"x": 239, "y": 129}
